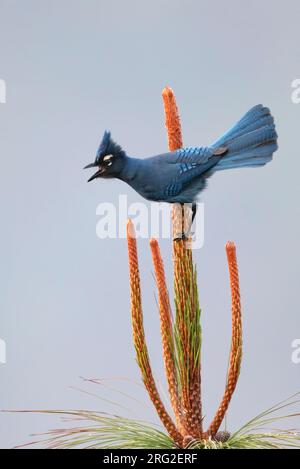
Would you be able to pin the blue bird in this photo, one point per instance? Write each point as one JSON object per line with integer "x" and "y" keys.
{"x": 179, "y": 176}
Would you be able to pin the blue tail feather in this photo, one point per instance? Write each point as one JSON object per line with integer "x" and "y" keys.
{"x": 251, "y": 142}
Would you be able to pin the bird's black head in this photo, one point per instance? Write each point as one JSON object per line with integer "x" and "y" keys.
{"x": 109, "y": 159}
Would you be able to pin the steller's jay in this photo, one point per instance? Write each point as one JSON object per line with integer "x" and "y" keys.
{"x": 179, "y": 176}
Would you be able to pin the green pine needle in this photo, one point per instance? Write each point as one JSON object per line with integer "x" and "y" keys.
{"x": 113, "y": 432}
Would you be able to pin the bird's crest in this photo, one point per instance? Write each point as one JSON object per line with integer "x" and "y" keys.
{"x": 108, "y": 147}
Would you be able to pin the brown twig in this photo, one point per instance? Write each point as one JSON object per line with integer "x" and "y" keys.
{"x": 236, "y": 341}
{"x": 139, "y": 339}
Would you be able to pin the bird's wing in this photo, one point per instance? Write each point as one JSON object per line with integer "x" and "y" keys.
{"x": 197, "y": 155}
{"x": 191, "y": 163}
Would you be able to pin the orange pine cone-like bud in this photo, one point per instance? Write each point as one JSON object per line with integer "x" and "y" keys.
{"x": 236, "y": 341}
{"x": 140, "y": 340}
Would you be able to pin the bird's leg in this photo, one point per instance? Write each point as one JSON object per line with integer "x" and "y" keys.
{"x": 183, "y": 234}
{"x": 186, "y": 233}
{"x": 189, "y": 221}
{"x": 194, "y": 211}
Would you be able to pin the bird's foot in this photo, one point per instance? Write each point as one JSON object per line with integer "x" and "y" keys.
{"x": 180, "y": 237}
{"x": 183, "y": 236}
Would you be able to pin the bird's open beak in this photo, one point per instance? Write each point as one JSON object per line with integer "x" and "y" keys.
{"x": 97, "y": 173}
{"x": 91, "y": 165}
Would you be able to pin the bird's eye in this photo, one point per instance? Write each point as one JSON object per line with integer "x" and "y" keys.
{"x": 107, "y": 158}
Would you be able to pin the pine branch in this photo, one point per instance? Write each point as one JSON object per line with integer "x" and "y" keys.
{"x": 166, "y": 328}
{"x": 188, "y": 339}
{"x": 188, "y": 331}
{"x": 236, "y": 341}
{"x": 139, "y": 339}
